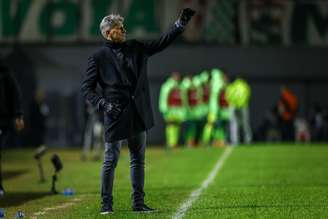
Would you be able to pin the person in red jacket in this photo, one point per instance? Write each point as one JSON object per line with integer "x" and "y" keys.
{"x": 172, "y": 106}
{"x": 287, "y": 109}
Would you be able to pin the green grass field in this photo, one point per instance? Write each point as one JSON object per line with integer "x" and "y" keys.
{"x": 259, "y": 181}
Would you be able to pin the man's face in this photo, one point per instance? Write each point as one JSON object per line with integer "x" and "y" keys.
{"x": 117, "y": 34}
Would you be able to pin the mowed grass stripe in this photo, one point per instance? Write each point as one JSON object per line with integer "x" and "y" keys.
{"x": 268, "y": 182}
{"x": 196, "y": 193}
{"x": 170, "y": 176}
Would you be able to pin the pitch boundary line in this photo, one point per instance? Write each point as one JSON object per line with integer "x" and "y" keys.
{"x": 58, "y": 207}
{"x": 184, "y": 207}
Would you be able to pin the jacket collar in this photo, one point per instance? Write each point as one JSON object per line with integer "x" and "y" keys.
{"x": 113, "y": 45}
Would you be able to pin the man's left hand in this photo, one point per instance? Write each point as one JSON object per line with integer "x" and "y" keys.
{"x": 186, "y": 15}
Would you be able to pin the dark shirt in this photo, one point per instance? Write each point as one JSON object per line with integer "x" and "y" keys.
{"x": 129, "y": 78}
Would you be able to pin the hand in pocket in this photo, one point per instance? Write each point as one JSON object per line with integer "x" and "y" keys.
{"x": 113, "y": 109}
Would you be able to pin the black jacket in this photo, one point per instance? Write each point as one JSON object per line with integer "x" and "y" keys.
{"x": 10, "y": 98}
{"x": 105, "y": 69}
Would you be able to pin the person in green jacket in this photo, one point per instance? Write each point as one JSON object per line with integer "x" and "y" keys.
{"x": 172, "y": 106}
{"x": 192, "y": 95}
{"x": 219, "y": 113}
{"x": 204, "y": 80}
{"x": 238, "y": 95}
{"x": 204, "y": 83}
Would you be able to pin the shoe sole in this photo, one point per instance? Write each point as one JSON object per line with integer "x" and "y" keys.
{"x": 106, "y": 212}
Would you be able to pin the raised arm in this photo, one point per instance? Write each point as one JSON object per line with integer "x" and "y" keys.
{"x": 154, "y": 46}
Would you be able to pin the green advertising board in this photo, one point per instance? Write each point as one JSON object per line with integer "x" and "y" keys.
{"x": 228, "y": 22}
{"x": 70, "y": 20}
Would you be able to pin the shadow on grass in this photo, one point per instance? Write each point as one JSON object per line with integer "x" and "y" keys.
{"x": 9, "y": 174}
{"x": 19, "y": 198}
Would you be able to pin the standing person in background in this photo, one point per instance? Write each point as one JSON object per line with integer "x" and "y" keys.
{"x": 11, "y": 113}
{"x": 219, "y": 115}
{"x": 287, "y": 109}
{"x": 39, "y": 112}
{"x": 223, "y": 111}
{"x": 204, "y": 78}
{"x": 213, "y": 118}
{"x": 172, "y": 106}
{"x": 192, "y": 93}
{"x": 238, "y": 95}
{"x": 120, "y": 68}
{"x": 93, "y": 133}
{"x": 318, "y": 123}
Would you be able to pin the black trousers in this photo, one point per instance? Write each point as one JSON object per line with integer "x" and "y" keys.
{"x": 137, "y": 147}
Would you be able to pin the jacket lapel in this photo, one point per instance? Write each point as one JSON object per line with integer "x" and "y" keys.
{"x": 128, "y": 55}
{"x": 114, "y": 60}
{"x": 140, "y": 81}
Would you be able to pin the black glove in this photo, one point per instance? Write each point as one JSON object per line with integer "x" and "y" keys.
{"x": 186, "y": 15}
{"x": 113, "y": 109}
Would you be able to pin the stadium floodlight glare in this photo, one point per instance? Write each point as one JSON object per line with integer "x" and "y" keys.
{"x": 39, "y": 153}
{"x": 58, "y": 167}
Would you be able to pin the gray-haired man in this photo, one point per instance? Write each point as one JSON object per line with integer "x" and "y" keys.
{"x": 120, "y": 68}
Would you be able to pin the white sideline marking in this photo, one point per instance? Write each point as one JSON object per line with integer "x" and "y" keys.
{"x": 196, "y": 193}
{"x": 61, "y": 206}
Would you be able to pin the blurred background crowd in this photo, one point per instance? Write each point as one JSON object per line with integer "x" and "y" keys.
{"x": 265, "y": 77}
{"x": 206, "y": 107}
{"x": 212, "y": 109}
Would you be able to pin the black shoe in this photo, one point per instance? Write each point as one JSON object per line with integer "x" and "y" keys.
{"x": 143, "y": 208}
{"x": 106, "y": 210}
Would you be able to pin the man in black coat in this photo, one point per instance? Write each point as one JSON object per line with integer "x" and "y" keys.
{"x": 120, "y": 68}
{"x": 11, "y": 113}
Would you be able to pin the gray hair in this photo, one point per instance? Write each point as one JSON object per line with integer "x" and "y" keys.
{"x": 109, "y": 22}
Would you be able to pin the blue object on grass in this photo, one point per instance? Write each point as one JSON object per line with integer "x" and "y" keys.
{"x": 20, "y": 214}
{"x": 68, "y": 192}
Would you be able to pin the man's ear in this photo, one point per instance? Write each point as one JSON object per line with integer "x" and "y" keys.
{"x": 107, "y": 33}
